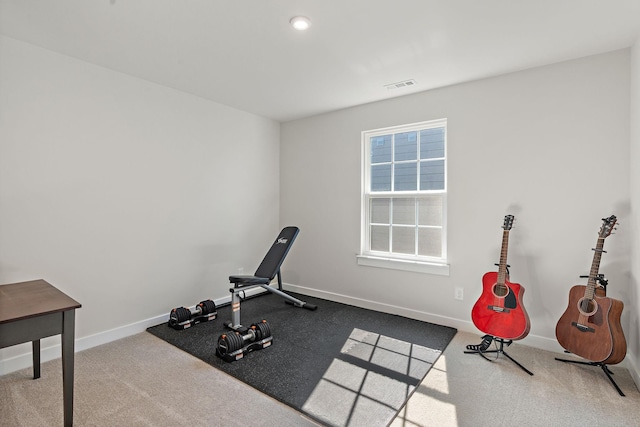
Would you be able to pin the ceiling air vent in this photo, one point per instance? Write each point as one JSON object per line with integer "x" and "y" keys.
{"x": 398, "y": 85}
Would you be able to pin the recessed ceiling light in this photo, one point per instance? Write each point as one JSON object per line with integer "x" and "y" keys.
{"x": 300, "y": 23}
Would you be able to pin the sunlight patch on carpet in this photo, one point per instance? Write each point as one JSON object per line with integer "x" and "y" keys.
{"x": 434, "y": 394}
{"x": 371, "y": 379}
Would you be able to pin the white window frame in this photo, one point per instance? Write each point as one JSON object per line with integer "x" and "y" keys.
{"x": 398, "y": 261}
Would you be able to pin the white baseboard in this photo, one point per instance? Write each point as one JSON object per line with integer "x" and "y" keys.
{"x": 633, "y": 368}
{"x": 54, "y": 351}
{"x": 385, "y": 308}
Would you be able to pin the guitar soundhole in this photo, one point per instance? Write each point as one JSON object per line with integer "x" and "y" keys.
{"x": 500, "y": 291}
{"x": 587, "y": 307}
{"x": 506, "y": 295}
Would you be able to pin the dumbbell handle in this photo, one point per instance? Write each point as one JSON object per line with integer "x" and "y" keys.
{"x": 249, "y": 336}
{"x": 197, "y": 310}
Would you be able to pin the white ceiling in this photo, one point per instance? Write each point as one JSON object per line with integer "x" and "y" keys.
{"x": 244, "y": 53}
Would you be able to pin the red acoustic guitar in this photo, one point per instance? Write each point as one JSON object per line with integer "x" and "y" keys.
{"x": 499, "y": 311}
{"x": 590, "y": 326}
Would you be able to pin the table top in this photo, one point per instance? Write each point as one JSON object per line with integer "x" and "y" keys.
{"x": 30, "y": 299}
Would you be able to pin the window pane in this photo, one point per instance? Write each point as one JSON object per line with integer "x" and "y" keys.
{"x": 404, "y": 211}
{"x": 380, "y": 211}
{"x": 432, "y": 143}
{"x": 432, "y": 175}
{"x": 405, "y": 176}
{"x": 381, "y": 178}
{"x": 404, "y": 240}
{"x": 380, "y": 238}
{"x": 406, "y": 146}
{"x": 430, "y": 242}
{"x": 381, "y": 149}
{"x": 430, "y": 210}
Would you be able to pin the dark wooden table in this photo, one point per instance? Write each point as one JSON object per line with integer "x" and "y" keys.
{"x": 30, "y": 311}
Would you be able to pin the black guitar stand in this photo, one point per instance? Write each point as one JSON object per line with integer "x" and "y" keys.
{"x": 603, "y": 282}
{"x": 506, "y": 265}
{"x": 482, "y": 349}
{"x": 604, "y": 367}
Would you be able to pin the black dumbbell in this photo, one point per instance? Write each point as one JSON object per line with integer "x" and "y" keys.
{"x": 232, "y": 345}
{"x": 182, "y": 318}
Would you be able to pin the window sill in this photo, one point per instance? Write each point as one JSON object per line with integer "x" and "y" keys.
{"x": 405, "y": 265}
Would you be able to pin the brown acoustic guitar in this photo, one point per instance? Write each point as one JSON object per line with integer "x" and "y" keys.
{"x": 590, "y": 326}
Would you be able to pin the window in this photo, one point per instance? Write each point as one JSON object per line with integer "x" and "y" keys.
{"x": 404, "y": 193}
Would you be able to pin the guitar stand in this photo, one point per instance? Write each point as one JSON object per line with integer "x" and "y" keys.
{"x": 498, "y": 351}
{"x": 604, "y": 367}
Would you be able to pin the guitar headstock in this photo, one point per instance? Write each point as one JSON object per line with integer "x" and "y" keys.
{"x": 608, "y": 225}
{"x": 508, "y": 222}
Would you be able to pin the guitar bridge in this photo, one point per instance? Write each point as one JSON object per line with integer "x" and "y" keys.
{"x": 498, "y": 309}
{"x": 582, "y": 328}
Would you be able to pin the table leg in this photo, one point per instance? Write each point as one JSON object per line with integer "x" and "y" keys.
{"x": 68, "y": 336}
{"x": 35, "y": 353}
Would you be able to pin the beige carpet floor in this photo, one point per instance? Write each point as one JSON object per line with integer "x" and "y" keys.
{"x": 139, "y": 381}
{"x": 143, "y": 381}
{"x": 466, "y": 390}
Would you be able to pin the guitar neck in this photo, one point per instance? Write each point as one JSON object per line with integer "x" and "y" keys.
{"x": 595, "y": 268}
{"x": 502, "y": 267}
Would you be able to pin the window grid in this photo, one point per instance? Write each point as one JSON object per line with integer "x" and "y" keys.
{"x": 429, "y": 153}
{"x": 417, "y": 227}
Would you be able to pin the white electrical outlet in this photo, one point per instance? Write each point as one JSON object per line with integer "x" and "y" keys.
{"x": 459, "y": 294}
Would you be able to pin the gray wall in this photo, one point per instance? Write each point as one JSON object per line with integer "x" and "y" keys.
{"x": 130, "y": 197}
{"x": 549, "y": 145}
{"x": 633, "y": 301}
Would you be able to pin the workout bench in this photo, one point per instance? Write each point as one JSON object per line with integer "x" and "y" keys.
{"x": 266, "y": 272}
